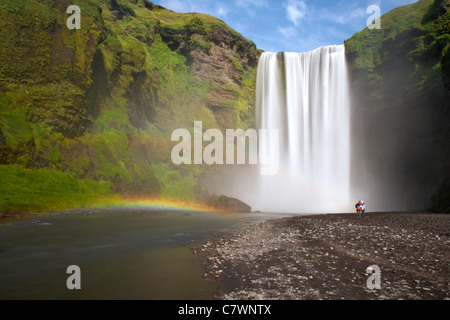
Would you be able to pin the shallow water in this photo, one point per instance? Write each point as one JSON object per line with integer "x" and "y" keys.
{"x": 122, "y": 254}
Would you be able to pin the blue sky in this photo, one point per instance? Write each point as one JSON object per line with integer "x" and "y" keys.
{"x": 289, "y": 25}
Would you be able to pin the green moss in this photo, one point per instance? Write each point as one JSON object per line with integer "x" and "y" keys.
{"x": 400, "y": 76}
{"x": 369, "y": 49}
{"x": 99, "y": 104}
{"x": 245, "y": 105}
{"x": 14, "y": 121}
{"x": 54, "y": 155}
{"x": 24, "y": 189}
{"x": 237, "y": 65}
{"x": 20, "y": 22}
{"x": 34, "y": 38}
{"x": 116, "y": 118}
{"x": 195, "y": 43}
{"x": 24, "y": 160}
{"x": 368, "y": 44}
{"x": 180, "y": 95}
{"x": 78, "y": 166}
{"x": 124, "y": 7}
{"x": 113, "y": 43}
{"x": 178, "y": 182}
{"x": 183, "y": 21}
{"x": 110, "y": 153}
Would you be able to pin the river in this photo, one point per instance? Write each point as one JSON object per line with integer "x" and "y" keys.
{"x": 122, "y": 254}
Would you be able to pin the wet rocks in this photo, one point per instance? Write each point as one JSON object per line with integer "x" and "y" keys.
{"x": 228, "y": 204}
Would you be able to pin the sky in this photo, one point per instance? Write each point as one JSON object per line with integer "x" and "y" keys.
{"x": 289, "y": 25}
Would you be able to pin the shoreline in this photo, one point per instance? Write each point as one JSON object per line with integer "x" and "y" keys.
{"x": 11, "y": 216}
{"x": 315, "y": 257}
{"x": 139, "y": 205}
{"x": 318, "y": 256}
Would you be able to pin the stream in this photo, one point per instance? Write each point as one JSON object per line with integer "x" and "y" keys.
{"x": 122, "y": 254}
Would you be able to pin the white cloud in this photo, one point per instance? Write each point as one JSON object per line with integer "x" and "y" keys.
{"x": 221, "y": 12}
{"x": 287, "y": 32}
{"x": 345, "y": 18}
{"x": 251, "y": 7}
{"x": 296, "y": 11}
{"x": 252, "y": 3}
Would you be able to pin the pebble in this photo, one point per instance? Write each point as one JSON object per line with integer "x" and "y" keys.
{"x": 279, "y": 257}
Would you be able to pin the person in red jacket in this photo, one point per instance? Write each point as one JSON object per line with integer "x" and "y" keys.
{"x": 360, "y": 208}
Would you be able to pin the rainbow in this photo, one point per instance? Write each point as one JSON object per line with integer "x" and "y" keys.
{"x": 156, "y": 204}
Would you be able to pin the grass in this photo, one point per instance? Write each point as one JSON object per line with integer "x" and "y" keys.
{"x": 403, "y": 68}
{"x": 181, "y": 97}
{"x": 368, "y": 44}
{"x": 83, "y": 155}
{"x": 420, "y": 27}
{"x": 14, "y": 122}
{"x": 42, "y": 190}
{"x": 179, "y": 183}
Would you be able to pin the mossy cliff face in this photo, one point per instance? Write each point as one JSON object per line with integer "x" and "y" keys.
{"x": 400, "y": 87}
{"x": 97, "y": 105}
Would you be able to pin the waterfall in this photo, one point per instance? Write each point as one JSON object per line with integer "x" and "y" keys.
{"x": 306, "y": 97}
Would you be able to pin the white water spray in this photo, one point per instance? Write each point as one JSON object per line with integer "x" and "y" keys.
{"x": 306, "y": 97}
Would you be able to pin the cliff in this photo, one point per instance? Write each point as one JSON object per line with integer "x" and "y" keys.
{"x": 400, "y": 95}
{"x": 89, "y": 113}
{"x": 86, "y": 114}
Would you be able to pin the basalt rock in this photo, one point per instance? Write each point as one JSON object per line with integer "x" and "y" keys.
{"x": 228, "y": 204}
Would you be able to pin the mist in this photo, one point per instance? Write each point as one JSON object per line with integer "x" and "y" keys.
{"x": 398, "y": 136}
{"x": 304, "y": 97}
{"x": 395, "y": 160}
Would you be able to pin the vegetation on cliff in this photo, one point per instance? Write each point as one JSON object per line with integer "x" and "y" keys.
{"x": 89, "y": 112}
{"x": 400, "y": 87}
{"x": 86, "y": 114}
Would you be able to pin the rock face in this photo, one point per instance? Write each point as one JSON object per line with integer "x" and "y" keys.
{"x": 218, "y": 55}
{"x": 100, "y": 103}
{"x": 228, "y": 204}
{"x": 400, "y": 91}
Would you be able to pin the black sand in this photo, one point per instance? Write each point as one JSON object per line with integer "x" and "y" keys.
{"x": 326, "y": 257}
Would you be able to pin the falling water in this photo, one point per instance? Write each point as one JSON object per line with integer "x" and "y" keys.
{"x": 305, "y": 96}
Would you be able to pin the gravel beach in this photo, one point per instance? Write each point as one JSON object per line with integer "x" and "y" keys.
{"x": 327, "y": 256}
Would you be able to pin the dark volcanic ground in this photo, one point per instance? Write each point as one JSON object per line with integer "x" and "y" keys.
{"x": 326, "y": 257}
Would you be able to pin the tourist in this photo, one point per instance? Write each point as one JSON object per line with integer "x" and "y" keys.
{"x": 360, "y": 208}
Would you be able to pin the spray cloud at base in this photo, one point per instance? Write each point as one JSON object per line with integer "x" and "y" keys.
{"x": 306, "y": 97}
